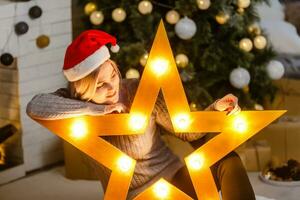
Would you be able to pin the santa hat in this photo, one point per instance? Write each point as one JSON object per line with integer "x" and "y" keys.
{"x": 86, "y": 53}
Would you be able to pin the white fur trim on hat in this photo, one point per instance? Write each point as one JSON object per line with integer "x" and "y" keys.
{"x": 115, "y": 48}
{"x": 88, "y": 65}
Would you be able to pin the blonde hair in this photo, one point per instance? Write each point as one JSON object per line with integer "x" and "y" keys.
{"x": 85, "y": 88}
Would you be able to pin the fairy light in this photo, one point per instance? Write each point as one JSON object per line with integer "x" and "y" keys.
{"x": 78, "y": 129}
{"x": 159, "y": 66}
{"x": 161, "y": 189}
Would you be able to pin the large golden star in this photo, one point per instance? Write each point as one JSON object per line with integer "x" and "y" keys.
{"x": 160, "y": 73}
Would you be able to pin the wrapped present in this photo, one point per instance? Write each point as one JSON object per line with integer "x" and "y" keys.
{"x": 287, "y": 97}
{"x": 256, "y": 155}
{"x": 283, "y": 137}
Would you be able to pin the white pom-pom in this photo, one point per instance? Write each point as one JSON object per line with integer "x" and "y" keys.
{"x": 115, "y": 48}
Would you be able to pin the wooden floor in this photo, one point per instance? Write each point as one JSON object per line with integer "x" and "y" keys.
{"x": 52, "y": 185}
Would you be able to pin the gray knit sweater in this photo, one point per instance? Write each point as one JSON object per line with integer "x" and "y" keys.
{"x": 154, "y": 158}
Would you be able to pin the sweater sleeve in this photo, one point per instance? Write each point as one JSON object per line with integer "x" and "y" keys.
{"x": 52, "y": 106}
{"x": 163, "y": 119}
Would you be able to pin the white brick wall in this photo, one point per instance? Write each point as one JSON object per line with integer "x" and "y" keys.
{"x": 39, "y": 69}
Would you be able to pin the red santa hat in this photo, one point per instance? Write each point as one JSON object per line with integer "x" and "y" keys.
{"x": 86, "y": 53}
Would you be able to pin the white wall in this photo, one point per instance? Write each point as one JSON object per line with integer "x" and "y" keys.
{"x": 40, "y": 70}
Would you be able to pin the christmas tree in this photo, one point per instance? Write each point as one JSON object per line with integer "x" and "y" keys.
{"x": 218, "y": 46}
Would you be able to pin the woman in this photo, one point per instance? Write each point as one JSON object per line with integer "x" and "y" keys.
{"x": 95, "y": 87}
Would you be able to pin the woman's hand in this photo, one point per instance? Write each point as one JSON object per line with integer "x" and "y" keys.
{"x": 228, "y": 103}
{"x": 117, "y": 107}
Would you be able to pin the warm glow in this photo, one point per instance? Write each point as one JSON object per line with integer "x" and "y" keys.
{"x": 161, "y": 189}
{"x": 124, "y": 163}
{"x": 79, "y": 129}
{"x": 182, "y": 121}
{"x": 196, "y": 161}
{"x": 240, "y": 124}
{"x": 233, "y": 130}
{"x": 137, "y": 121}
{"x": 159, "y": 66}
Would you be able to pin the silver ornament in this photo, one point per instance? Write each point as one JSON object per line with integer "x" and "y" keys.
{"x": 185, "y": 28}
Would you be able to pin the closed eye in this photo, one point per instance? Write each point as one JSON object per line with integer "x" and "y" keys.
{"x": 100, "y": 84}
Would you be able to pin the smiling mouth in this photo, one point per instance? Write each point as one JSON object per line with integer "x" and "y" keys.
{"x": 112, "y": 94}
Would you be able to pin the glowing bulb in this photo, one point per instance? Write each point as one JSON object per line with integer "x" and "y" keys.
{"x": 159, "y": 66}
{"x": 161, "y": 189}
{"x": 137, "y": 121}
{"x": 124, "y": 163}
{"x": 79, "y": 129}
{"x": 182, "y": 121}
{"x": 240, "y": 124}
{"x": 196, "y": 161}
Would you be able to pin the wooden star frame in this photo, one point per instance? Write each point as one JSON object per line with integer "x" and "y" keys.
{"x": 160, "y": 73}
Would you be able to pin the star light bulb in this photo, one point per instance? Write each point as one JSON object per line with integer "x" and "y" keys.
{"x": 137, "y": 121}
{"x": 78, "y": 129}
{"x": 161, "y": 189}
{"x": 240, "y": 124}
{"x": 159, "y": 66}
{"x": 196, "y": 161}
{"x": 124, "y": 163}
{"x": 182, "y": 121}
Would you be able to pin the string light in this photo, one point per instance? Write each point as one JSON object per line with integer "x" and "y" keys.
{"x": 159, "y": 66}
{"x": 137, "y": 121}
{"x": 124, "y": 163}
{"x": 79, "y": 129}
{"x": 161, "y": 189}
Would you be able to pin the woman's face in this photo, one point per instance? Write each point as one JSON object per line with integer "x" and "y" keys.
{"x": 108, "y": 85}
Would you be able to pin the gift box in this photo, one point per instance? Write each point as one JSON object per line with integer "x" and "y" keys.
{"x": 286, "y": 98}
{"x": 283, "y": 137}
{"x": 256, "y": 155}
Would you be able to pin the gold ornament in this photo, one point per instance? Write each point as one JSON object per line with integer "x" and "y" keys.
{"x": 193, "y": 106}
{"x": 145, "y": 7}
{"x": 246, "y": 44}
{"x": 243, "y": 3}
{"x": 96, "y": 17}
{"x": 258, "y": 107}
{"x": 203, "y": 4}
{"x": 132, "y": 73}
{"x": 172, "y": 17}
{"x": 143, "y": 59}
{"x": 246, "y": 89}
{"x": 89, "y": 8}
{"x": 241, "y": 10}
{"x": 42, "y": 41}
{"x": 222, "y": 18}
{"x": 254, "y": 28}
{"x": 181, "y": 60}
{"x": 260, "y": 42}
{"x": 118, "y": 14}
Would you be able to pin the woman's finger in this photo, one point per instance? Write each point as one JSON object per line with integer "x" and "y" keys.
{"x": 235, "y": 110}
